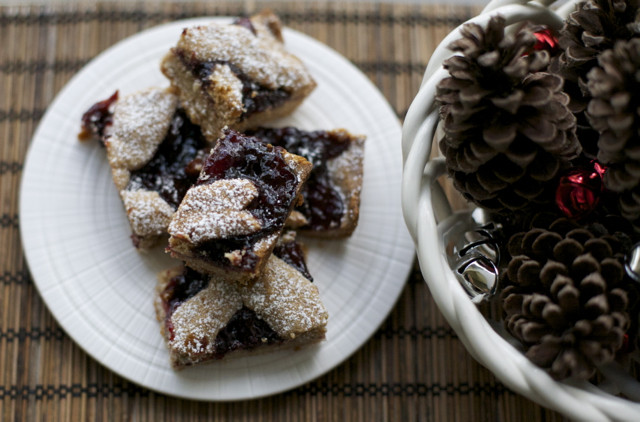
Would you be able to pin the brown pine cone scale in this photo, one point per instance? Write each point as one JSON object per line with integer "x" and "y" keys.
{"x": 564, "y": 297}
{"x": 508, "y": 130}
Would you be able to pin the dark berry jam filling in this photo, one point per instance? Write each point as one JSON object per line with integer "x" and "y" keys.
{"x": 292, "y": 254}
{"x": 255, "y": 97}
{"x": 244, "y": 331}
{"x": 323, "y": 205}
{"x": 179, "y": 289}
{"x": 243, "y": 157}
{"x": 97, "y": 119}
{"x": 175, "y": 165}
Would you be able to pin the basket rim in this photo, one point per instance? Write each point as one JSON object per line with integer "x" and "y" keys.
{"x": 424, "y": 203}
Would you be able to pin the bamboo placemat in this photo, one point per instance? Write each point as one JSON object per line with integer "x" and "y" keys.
{"x": 413, "y": 368}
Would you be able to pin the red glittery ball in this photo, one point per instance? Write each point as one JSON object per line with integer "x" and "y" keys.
{"x": 546, "y": 41}
{"x": 579, "y": 191}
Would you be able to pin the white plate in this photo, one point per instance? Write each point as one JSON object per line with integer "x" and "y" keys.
{"x": 76, "y": 236}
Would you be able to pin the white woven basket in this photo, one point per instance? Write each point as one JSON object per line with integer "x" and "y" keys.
{"x": 428, "y": 214}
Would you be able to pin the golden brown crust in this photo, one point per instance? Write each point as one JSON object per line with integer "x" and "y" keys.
{"x": 345, "y": 173}
{"x": 261, "y": 57}
{"x": 266, "y": 21}
{"x": 220, "y": 106}
{"x": 281, "y": 296}
{"x": 140, "y": 123}
{"x": 163, "y": 278}
{"x": 185, "y": 251}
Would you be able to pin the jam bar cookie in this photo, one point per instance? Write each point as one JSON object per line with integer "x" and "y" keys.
{"x": 229, "y": 221}
{"x": 154, "y": 152}
{"x": 332, "y": 192}
{"x": 204, "y": 318}
{"x": 236, "y": 75}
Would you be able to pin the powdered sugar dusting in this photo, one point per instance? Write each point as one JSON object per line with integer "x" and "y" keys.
{"x": 216, "y": 210}
{"x": 140, "y": 123}
{"x": 285, "y": 299}
{"x": 346, "y": 172}
{"x": 263, "y": 245}
{"x": 197, "y": 322}
{"x": 298, "y": 164}
{"x": 262, "y": 58}
{"x": 281, "y": 296}
{"x": 148, "y": 213}
{"x": 226, "y": 85}
{"x": 349, "y": 163}
{"x": 347, "y": 167}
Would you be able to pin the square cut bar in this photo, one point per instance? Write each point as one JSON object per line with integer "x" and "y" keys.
{"x": 204, "y": 318}
{"x": 331, "y": 196}
{"x": 236, "y": 75}
{"x": 229, "y": 221}
{"x": 154, "y": 153}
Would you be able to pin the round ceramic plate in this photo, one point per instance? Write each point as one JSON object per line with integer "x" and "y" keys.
{"x": 100, "y": 289}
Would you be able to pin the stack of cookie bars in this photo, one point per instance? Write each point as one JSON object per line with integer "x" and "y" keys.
{"x": 199, "y": 174}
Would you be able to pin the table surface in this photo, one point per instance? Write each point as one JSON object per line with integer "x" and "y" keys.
{"x": 413, "y": 368}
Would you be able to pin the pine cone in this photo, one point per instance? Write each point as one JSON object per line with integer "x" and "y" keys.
{"x": 507, "y": 126}
{"x": 565, "y": 297}
{"x": 593, "y": 27}
{"x": 614, "y": 112}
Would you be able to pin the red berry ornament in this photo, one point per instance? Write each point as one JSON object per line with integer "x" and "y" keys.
{"x": 579, "y": 190}
{"x": 546, "y": 41}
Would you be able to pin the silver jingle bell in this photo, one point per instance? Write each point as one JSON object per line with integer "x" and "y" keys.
{"x": 473, "y": 254}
